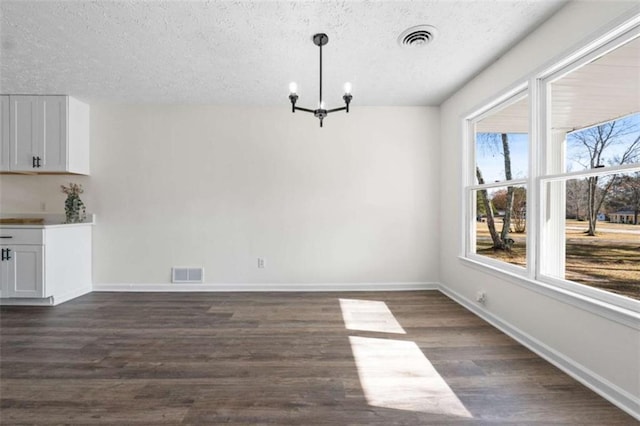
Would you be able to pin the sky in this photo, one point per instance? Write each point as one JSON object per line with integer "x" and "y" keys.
{"x": 490, "y": 158}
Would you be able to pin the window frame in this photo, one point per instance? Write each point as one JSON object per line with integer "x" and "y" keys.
{"x": 535, "y": 86}
{"x": 510, "y": 97}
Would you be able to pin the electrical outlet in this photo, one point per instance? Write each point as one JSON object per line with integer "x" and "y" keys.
{"x": 262, "y": 263}
{"x": 481, "y": 297}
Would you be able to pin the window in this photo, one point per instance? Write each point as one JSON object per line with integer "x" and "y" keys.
{"x": 562, "y": 206}
{"x": 501, "y": 158}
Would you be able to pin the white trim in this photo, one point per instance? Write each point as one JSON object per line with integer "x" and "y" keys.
{"x": 71, "y": 295}
{"x": 499, "y": 184}
{"x": 27, "y": 301}
{"x": 45, "y": 301}
{"x": 532, "y": 220}
{"x": 624, "y": 316}
{"x": 601, "y": 171}
{"x": 609, "y": 391}
{"x": 265, "y": 287}
{"x": 495, "y": 103}
{"x": 498, "y": 264}
{"x": 468, "y": 205}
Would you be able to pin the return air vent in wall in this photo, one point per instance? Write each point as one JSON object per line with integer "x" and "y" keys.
{"x": 187, "y": 275}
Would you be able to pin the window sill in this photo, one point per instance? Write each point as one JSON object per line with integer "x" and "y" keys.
{"x": 627, "y": 317}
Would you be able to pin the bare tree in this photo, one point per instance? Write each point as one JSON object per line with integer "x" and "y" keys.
{"x": 506, "y": 222}
{"x": 497, "y": 242}
{"x": 577, "y": 198}
{"x": 491, "y": 142}
{"x": 613, "y": 138}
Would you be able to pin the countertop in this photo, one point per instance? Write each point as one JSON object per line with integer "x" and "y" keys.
{"x": 51, "y": 220}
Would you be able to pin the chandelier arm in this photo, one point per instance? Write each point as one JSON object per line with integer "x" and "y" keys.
{"x": 344, "y": 108}
{"x": 304, "y": 109}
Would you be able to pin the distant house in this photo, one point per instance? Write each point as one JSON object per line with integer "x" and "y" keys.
{"x": 623, "y": 216}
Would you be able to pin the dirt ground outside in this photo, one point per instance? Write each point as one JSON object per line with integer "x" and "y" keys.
{"x": 610, "y": 261}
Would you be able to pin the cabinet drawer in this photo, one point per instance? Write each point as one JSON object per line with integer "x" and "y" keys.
{"x": 13, "y": 236}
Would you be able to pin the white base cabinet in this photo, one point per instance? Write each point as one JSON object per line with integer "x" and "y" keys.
{"x": 22, "y": 268}
{"x": 46, "y": 265}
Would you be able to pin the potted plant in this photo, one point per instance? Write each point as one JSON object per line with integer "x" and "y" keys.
{"x": 74, "y": 209}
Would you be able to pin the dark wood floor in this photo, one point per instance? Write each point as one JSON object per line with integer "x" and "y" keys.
{"x": 273, "y": 358}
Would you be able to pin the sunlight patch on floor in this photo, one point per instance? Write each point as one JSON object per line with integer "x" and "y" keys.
{"x": 369, "y": 315}
{"x": 396, "y": 374}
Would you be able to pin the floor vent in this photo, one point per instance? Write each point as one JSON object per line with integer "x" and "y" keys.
{"x": 187, "y": 275}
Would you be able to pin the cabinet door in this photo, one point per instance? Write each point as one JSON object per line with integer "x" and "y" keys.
{"x": 5, "y": 136}
{"x": 21, "y": 275}
{"x": 23, "y": 131}
{"x": 51, "y": 122}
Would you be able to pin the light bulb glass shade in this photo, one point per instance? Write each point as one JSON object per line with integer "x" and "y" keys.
{"x": 293, "y": 87}
{"x": 347, "y": 88}
{"x": 322, "y": 105}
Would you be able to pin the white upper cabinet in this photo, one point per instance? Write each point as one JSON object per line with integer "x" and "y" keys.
{"x": 4, "y": 132}
{"x": 47, "y": 134}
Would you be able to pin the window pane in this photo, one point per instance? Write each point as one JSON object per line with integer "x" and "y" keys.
{"x": 612, "y": 143}
{"x": 501, "y": 224}
{"x": 601, "y": 101}
{"x": 601, "y": 233}
{"x": 502, "y": 144}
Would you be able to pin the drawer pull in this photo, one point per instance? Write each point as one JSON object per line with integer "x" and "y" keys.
{"x": 33, "y": 162}
{"x": 8, "y": 256}
{"x": 38, "y": 162}
{"x": 5, "y": 256}
{"x": 6, "y": 236}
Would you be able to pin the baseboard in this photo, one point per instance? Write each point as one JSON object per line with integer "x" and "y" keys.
{"x": 70, "y": 295}
{"x": 45, "y": 301}
{"x": 614, "y": 394}
{"x": 27, "y": 301}
{"x": 266, "y": 287}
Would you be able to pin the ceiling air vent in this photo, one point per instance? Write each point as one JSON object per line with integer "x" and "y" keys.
{"x": 418, "y": 36}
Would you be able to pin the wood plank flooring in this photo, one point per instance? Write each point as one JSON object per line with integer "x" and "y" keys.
{"x": 276, "y": 358}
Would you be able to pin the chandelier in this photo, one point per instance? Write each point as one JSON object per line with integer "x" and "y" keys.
{"x": 320, "y": 40}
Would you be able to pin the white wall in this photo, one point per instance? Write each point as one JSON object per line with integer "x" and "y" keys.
{"x": 607, "y": 351}
{"x": 218, "y": 187}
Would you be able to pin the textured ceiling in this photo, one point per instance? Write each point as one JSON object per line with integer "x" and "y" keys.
{"x": 247, "y": 52}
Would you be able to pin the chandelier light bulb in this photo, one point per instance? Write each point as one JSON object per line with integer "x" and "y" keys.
{"x": 322, "y": 105}
{"x": 293, "y": 87}
{"x": 347, "y": 88}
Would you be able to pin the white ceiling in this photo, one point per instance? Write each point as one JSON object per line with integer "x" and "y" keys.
{"x": 246, "y": 52}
